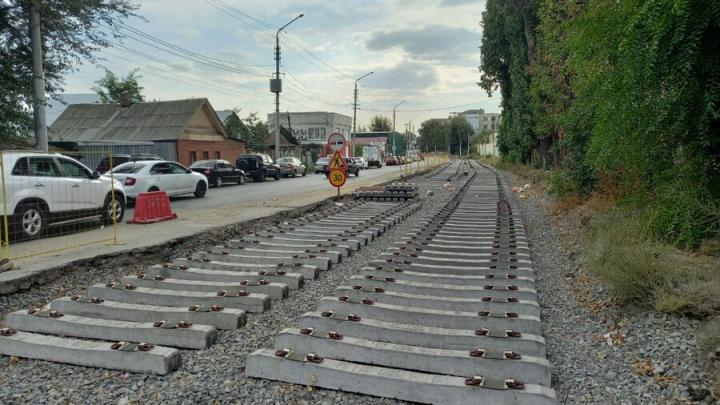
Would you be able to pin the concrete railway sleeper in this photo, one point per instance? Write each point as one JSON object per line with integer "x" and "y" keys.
{"x": 448, "y": 314}
{"x": 182, "y": 303}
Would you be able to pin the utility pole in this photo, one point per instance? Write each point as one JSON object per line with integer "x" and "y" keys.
{"x": 276, "y": 86}
{"x": 38, "y": 81}
{"x": 393, "y": 128}
{"x": 355, "y": 95}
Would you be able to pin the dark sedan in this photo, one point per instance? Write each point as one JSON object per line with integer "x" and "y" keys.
{"x": 219, "y": 172}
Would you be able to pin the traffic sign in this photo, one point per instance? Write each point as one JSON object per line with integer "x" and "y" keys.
{"x": 337, "y": 177}
{"x": 336, "y": 141}
{"x": 337, "y": 162}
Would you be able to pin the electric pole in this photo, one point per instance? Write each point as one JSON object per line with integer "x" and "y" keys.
{"x": 355, "y": 95}
{"x": 276, "y": 86}
{"x": 393, "y": 130}
{"x": 38, "y": 81}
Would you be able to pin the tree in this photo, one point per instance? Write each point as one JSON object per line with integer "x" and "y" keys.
{"x": 257, "y": 131}
{"x": 70, "y": 33}
{"x": 380, "y": 123}
{"x": 507, "y": 47}
{"x": 434, "y": 135}
{"x": 235, "y": 126}
{"x": 111, "y": 87}
{"x": 460, "y": 134}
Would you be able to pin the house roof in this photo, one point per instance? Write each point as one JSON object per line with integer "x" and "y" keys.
{"x": 286, "y": 140}
{"x": 154, "y": 121}
{"x": 56, "y": 107}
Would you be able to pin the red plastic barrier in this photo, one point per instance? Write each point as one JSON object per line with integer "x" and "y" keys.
{"x": 152, "y": 207}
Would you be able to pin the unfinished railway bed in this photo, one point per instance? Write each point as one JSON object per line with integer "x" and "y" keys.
{"x": 447, "y": 313}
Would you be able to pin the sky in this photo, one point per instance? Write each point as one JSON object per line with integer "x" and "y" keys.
{"x": 422, "y": 52}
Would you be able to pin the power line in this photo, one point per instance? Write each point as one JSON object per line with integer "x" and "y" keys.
{"x": 186, "y": 54}
{"x": 185, "y": 69}
{"x": 432, "y": 109}
{"x": 184, "y": 50}
{"x": 312, "y": 55}
{"x": 230, "y": 10}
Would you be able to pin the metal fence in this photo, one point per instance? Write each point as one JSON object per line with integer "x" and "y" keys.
{"x": 46, "y": 196}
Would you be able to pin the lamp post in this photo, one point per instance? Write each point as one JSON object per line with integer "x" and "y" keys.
{"x": 276, "y": 85}
{"x": 393, "y": 129}
{"x": 355, "y": 104}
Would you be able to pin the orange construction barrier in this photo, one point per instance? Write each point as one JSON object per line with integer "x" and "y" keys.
{"x": 152, "y": 207}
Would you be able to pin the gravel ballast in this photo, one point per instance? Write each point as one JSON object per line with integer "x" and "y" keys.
{"x": 653, "y": 359}
{"x": 213, "y": 375}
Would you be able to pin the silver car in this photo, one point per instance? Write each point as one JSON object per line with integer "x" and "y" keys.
{"x": 291, "y": 166}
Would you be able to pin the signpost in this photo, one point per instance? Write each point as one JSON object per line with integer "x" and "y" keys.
{"x": 336, "y": 142}
{"x": 337, "y": 171}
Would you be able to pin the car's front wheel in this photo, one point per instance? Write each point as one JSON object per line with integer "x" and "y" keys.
{"x": 113, "y": 207}
{"x": 277, "y": 176}
{"x": 32, "y": 220}
{"x": 295, "y": 173}
{"x": 241, "y": 179}
{"x": 200, "y": 189}
{"x": 218, "y": 182}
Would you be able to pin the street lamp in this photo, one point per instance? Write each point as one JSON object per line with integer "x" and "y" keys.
{"x": 276, "y": 85}
{"x": 393, "y": 130}
{"x": 355, "y": 104}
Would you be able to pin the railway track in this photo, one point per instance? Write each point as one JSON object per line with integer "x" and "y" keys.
{"x": 447, "y": 314}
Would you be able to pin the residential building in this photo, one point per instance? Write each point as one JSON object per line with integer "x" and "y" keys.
{"x": 313, "y": 127}
{"x": 490, "y": 122}
{"x": 289, "y": 145}
{"x": 473, "y": 118}
{"x": 180, "y": 130}
{"x": 56, "y": 107}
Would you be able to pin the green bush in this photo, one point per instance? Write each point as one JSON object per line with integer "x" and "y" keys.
{"x": 683, "y": 217}
{"x": 561, "y": 184}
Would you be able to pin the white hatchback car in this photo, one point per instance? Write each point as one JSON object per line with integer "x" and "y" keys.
{"x": 152, "y": 175}
{"x": 50, "y": 189}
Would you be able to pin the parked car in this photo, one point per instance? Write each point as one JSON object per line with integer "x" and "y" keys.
{"x": 361, "y": 162}
{"x": 350, "y": 167}
{"x": 119, "y": 159}
{"x": 218, "y": 172}
{"x": 291, "y": 166}
{"x": 43, "y": 190}
{"x": 320, "y": 163}
{"x": 391, "y": 161}
{"x": 258, "y": 166}
{"x": 152, "y": 175}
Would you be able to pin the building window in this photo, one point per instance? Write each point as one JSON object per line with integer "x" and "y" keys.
{"x": 193, "y": 156}
{"x": 206, "y": 155}
{"x": 217, "y": 154}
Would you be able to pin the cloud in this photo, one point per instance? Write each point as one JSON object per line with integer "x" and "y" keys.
{"x": 459, "y": 2}
{"x": 404, "y": 76}
{"x": 436, "y": 42}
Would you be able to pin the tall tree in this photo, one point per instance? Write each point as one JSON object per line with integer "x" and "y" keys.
{"x": 257, "y": 131}
{"x": 70, "y": 33}
{"x": 111, "y": 87}
{"x": 507, "y": 47}
{"x": 434, "y": 135}
{"x": 380, "y": 123}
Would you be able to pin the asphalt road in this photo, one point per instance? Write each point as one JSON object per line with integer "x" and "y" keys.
{"x": 227, "y": 205}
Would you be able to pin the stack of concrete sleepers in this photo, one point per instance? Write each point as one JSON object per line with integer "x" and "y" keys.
{"x": 449, "y": 315}
{"x": 137, "y": 322}
{"x": 400, "y": 191}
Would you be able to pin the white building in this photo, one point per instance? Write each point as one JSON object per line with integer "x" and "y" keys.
{"x": 473, "y": 118}
{"x": 490, "y": 122}
{"x": 313, "y": 127}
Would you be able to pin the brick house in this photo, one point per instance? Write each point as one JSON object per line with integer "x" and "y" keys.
{"x": 180, "y": 130}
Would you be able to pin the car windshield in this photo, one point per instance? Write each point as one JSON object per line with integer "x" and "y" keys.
{"x": 203, "y": 164}
{"x": 128, "y": 168}
{"x": 323, "y": 160}
{"x": 285, "y": 160}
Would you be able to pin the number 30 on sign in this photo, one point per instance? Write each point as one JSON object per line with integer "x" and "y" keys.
{"x": 337, "y": 177}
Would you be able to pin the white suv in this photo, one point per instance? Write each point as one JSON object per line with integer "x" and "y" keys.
{"x": 50, "y": 189}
